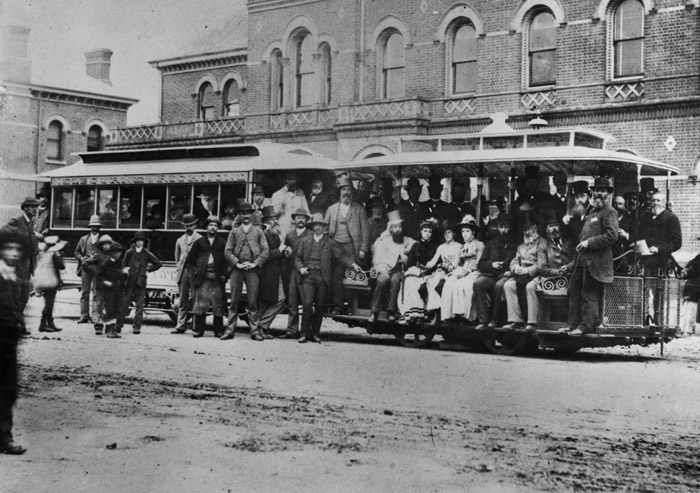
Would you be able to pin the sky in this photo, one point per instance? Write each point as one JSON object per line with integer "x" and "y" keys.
{"x": 137, "y": 31}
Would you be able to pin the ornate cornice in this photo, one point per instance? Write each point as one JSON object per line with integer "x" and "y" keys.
{"x": 82, "y": 98}
{"x": 238, "y": 56}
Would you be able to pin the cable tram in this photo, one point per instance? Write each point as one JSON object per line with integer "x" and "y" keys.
{"x": 637, "y": 308}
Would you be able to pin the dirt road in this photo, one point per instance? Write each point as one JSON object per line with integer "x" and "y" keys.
{"x": 161, "y": 412}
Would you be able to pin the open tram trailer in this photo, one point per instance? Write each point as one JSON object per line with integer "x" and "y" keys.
{"x": 499, "y": 152}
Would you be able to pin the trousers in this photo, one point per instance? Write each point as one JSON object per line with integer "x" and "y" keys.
{"x": 137, "y": 294}
{"x": 313, "y": 300}
{"x": 488, "y": 297}
{"x": 87, "y": 287}
{"x": 391, "y": 282}
{"x": 251, "y": 278}
{"x": 585, "y": 299}
{"x": 186, "y": 294}
{"x": 8, "y": 387}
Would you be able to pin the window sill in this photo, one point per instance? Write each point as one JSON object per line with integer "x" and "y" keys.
{"x": 549, "y": 87}
{"x": 55, "y": 162}
{"x": 625, "y": 80}
{"x": 463, "y": 95}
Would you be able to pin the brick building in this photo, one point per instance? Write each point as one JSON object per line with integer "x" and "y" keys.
{"x": 350, "y": 78}
{"x": 42, "y": 122}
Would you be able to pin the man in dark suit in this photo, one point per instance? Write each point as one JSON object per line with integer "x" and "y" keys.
{"x": 270, "y": 296}
{"x": 412, "y": 210}
{"x": 210, "y": 271}
{"x": 290, "y": 276}
{"x": 319, "y": 199}
{"x": 313, "y": 262}
{"x": 24, "y": 227}
{"x": 661, "y": 229}
{"x": 593, "y": 267}
{"x": 435, "y": 207}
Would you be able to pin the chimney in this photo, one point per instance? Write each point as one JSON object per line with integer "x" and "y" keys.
{"x": 97, "y": 63}
{"x": 14, "y": 60}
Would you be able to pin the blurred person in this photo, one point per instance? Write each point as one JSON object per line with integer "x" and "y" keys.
{"x": 138, "y": 262}
{"x": 47, "y": 278}
{"x": 184, "y": 274}
{"x": 377, "y": 220}
{"x": 288, "y": 199}
{"x": 461, "y": 204}
{"x": 205, "y": 207}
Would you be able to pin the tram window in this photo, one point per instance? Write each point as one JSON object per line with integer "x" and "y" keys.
{"x": 62, "y": 207}
{"x": 107, "y": 207}
{"x": 180, "y": 203}
{"x": 130, "y": 207}
{"x": 231, "y": 196}
{"x": 85, "y": 199}
{"x": 206, "y": 202}
{"x": 154, "y": 210}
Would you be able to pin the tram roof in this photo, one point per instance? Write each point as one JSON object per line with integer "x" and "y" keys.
{"x": 194, "y": 160}
{"x": 573, "y": 160}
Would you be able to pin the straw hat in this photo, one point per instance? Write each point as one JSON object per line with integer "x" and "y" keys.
{"x": 54, "y": 243}
{"x": 94, "y": 221}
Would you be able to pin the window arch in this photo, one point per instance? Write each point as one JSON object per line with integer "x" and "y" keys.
{"x": 206, "y": 102}
{"x": 54, "y": 141}
{"x": 462, "y": 50}
{"x": 276, "y": 81}
{"x": 627, "y": 47}
{"x": 542, "y": 49}
{"x": 393, "y": 65}
{"x": 304, "y": 70}
{"x": 326, "y": 74}
{"x": 232, "y": 98}
{"x": 95, "y": 139}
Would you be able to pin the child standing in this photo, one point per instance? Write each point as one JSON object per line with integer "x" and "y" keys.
{"x": 47, "y": 278}
{"x": 110, "y": 279}
{"x": 139, "y": 261}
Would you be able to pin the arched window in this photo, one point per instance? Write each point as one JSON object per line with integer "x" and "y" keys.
{"x": 206, "y": 102}
{"x": 628, "y": 39}
{"x": 304, "y": 70}
{"x": 393, "y": 66}
{"x": 542, "y": 49}
{"x": 94, "y": 140}
{"x": 54, "y": 141}
{"x": 326, "y": 68}
{"x": 232, "y": 98}
{"x": 463, "y": 66}
{"x": 276, "y": 81}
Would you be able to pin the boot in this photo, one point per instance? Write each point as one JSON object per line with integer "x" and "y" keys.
{"x": 50, "y": 323}
{"x": 111, "y": 332}
{"x": 42, "y": 325}
{"x": 218, "y": 326}
{"x": 98, "y": 329}
{"x": 198, "y": 325}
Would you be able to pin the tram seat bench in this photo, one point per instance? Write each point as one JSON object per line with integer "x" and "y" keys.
{"x": 360, "y": 296}
{"x": 554, "y": 309}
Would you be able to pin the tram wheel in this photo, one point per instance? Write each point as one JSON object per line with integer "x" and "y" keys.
{"x": 416, "y": 339}
{"x": 508, "y": 343}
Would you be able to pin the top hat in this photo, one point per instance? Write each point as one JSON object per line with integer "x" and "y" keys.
{"x": 559, "y": 178}
{"x": 532, "y": 172}
{"x": 647, "y": 185}
{"x": 30, "y": 201}
{"x": 44, "y": 190}
{"x": 189, "y": 220}
{"x": 94, "y": 221}
{"x": 317, "y": 218}
{"x": 245, "y": 207}
{"x": 104, "y": 240}
{"x": 550, "y": 216}
{"x": 301, "y": 212}
{"x": 602, "y": 182}
{"x": 259, "y": 189}
{"x": 387, "y": 182}
{"x": 394, "y": 218}
{"x": 345, "y": 182}
{"x": 527, "y": 219}
{"x": 139, "y": 235}
{"x": 579, "y": 187}
{"x": 413, "y": 182}
{"x": 213, "y": 219}
{"x": 269, "y": 211}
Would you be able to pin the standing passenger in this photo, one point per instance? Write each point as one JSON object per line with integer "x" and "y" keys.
{"x": 288, "y": 199}
{"x": 271, "y": 294}
{"x": 290, "y": 275}
{"x": 184, "y": 274}
{"x": 86, "y": 248}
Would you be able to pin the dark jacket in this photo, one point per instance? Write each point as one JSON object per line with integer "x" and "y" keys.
{"x": 272, "y": 270}
{"x": 256, "y": 240}
{"x": 421, "y": 252}
{"x": 330, "y": 252}
{"x": 600, "y": 229}
{"x": 663, "y": 232}
{"x": 199, "y": 256}
{"x": 500, "y": 249}
{"x": 140, "y": 264}
{"x": 412, "y": 215}
{"x": 11, "y": 321}
{"x": 440, "y": 210}
{"x": 691, "y": 290}
{"x": 551, "y": 257}
{"x": 319, "y": 204}
{"x": 25, "y": 229}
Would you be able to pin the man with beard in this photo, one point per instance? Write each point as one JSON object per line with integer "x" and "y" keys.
{"x": 661, "y": 229}
{"x": 389, "y": 258}
{"x": 412, "y": 210}
{"x": 523, "y": 269}
{"x": 593, "y": 267}
{"x": 207, "y": 261}
{"x": 288, "y": 199}
{"x": 271, "y": 294}
{"x": 246, "y": 252}
{"x": 494, "y": 271}
{"x": 348, "y": 227}
{"x": 573, "y": 222}
{"x": 12, "y": 249}
{"x": 184, "y": 274}
{"x": 364, "y": 192}
{"x": 435, "y": 207}
{"x": 290, "y": 276}
{"x": 24, "y": 226}
{"x": 87, "y": 247}
{"x": 43, "y": 214}
{"x": 626, "y": 233}
{"x": 313, "y": 262}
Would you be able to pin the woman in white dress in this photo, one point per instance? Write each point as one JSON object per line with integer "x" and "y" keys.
{"x": 458, "y": 291}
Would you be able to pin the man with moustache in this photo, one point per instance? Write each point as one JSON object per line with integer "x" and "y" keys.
{"x": 271, "y": 294}
{"x": 183, "y": 274}
{"x": 573, "y": 221}
{"x": 288, "y": 199}
{"x": 626, "y": 234}
{"x": 43, "y": 214}
{"x": 207, "y": 262}
{"x": 389, "y": 258}
{"x": 290, "y": 275}
{"x": 349, "y": 228}
{"x": 661, "y": 229}
{"x": 593, "y": 267}
{"x": 86, "y": 248}
{"x": 246, "y": 253}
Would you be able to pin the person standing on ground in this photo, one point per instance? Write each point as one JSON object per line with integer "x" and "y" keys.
{"x": 12, "y": 249}
{"x": 184, "y": 275}
{"x": 110, "y": 277}
{"x": 43, "y": 214}
{"x": 138, "y": 261}
{"x": 271, "y": 294}
{"x": 290, "y": 276}
{"x": 209, "y": 274}
{"x": 86, "y": 248}
{"x": 47, "y": 278}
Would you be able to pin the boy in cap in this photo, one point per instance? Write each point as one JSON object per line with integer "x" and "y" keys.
{"x": 110, "y": 277}
{"x": 183, "y": 274}
{"x": 138, "y": 262}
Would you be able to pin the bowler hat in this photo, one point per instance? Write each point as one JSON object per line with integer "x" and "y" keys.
{"x": 207, "y": 192}
{"x": 393, "y": 217}
{"x": 269, "y": 211}
{"x": 213, "y": 219}
{"x": 139, "y": 235}
{"x": 29, "y": 201}
{"x": 94, "y": 221}
{"x": 189, "y": 220}
{"x": 259, "y": 189}
{"x": 317, "y": 218}
{"x": 527, "y": 219}
{"x": 435, "y": 181}
{"x": 245, "y": 207}
{"x": 532, "y": 171}
{"x": 345, "y": 182}
{"x": 579, "y": 187}
{"x": 301, "y": 212}
{"x": 602, "y": 182}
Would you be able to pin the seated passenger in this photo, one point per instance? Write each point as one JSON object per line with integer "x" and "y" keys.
{"x": 445, "y": 260}
{"x": 493, "y": 273}
{"x": 523, "y": 269}
{"x": 389, "y": 256}
{"x": 414, "y": 295}
{"x": 458, "y": 291}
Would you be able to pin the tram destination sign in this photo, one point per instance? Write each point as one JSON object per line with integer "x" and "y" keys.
{"x": 163, "y": 179}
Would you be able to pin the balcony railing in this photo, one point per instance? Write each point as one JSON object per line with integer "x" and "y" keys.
{"x": 165, "y": 132}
